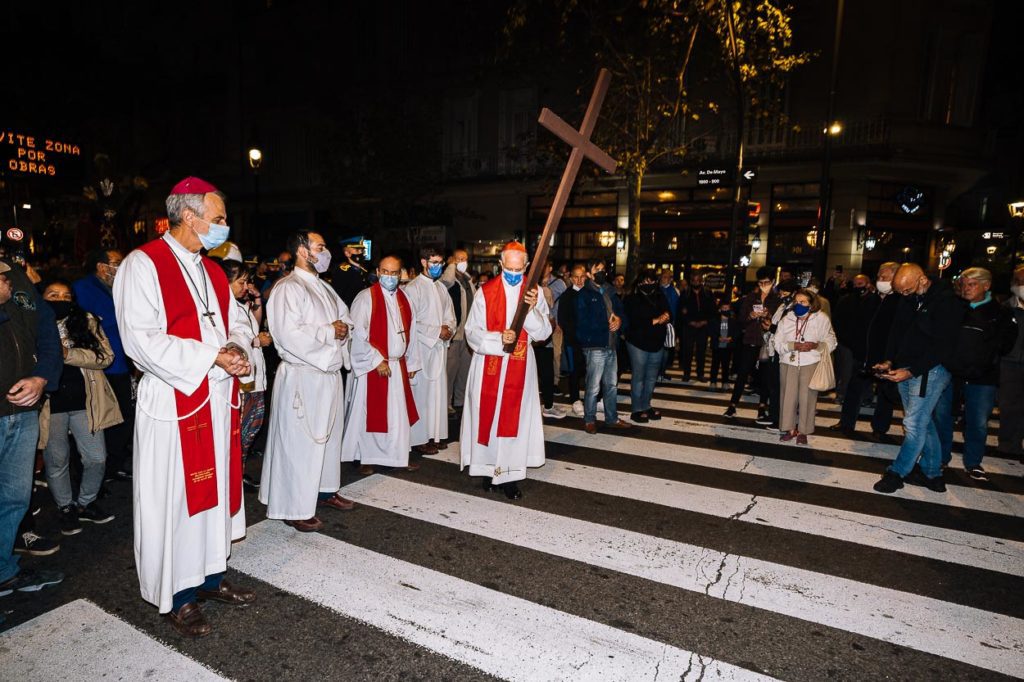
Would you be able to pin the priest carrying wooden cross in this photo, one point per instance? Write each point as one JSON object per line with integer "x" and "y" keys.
{"x": 502, "y": 430}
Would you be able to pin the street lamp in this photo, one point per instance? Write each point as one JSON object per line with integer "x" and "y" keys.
{"x": 833, "y": 128}
{"x": 255, "y": 159}
{"x": 870, "y": 242}
{"x": 1016, "y": 209}
{"x": 755, "y": 243}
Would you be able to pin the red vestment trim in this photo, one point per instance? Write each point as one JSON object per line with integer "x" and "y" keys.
{"x": 377, "y": 385}
{"x": 515, "y": 376}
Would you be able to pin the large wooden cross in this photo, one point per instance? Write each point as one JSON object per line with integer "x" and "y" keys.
{"x": 581, "y": 145}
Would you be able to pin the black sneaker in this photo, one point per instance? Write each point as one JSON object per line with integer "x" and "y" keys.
{"x": 917, "y": 477}
{"x": 29, "y": 580}
{"x": 977, "y": 473}
{"x": 93, "y": 513}
{"x": 762, "y": 418}
{"x": 730, "y": 411}
{"x": 640, "y": 417}
{"x": 69, "y": 523}
{"x": 35, "y": 545}
{"x": 889, "y": 483}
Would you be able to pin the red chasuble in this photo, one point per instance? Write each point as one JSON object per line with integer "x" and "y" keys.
{"x": 377, "y": 385}
{"x": 196, "y": 433}
{"x": 515, "y": 377}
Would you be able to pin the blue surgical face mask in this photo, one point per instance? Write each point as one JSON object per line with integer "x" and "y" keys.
{"x": 513, "y": 278}
{"x": 434, "y": 270}
{"x": 217, "y": 235}
{"x": 800, "y": 309}
{"x": 389, "y": 282}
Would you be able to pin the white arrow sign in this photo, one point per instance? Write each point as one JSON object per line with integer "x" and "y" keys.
{"x": 749, "y": 175}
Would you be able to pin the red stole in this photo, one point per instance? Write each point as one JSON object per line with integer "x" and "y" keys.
{"x": 195, "y": 431}
{"x": 515, "y": 377}
{"x": 377, "y": 385}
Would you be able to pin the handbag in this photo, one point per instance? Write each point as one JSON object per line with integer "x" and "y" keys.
{"x": 670, "y": 336}
{"x": 824, "y": 377}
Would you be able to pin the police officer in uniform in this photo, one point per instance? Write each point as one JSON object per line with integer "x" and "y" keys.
{"x": 351, "y": 276}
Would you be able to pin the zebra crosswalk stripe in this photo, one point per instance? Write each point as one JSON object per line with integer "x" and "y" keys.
{"x": 503, "y": 635}
{"x": 954, "y": 546}
{"x": 989, "y": 640}
{"x": 82, "y": 641}
{"x": 957, "y": 496}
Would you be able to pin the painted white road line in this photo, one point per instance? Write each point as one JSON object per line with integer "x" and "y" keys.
{"x": 820, "y": 442}
{"x": 82, "y": 641}
{"x": 954, "y": 546}
{"x": 505, "y": 636}
{"x": 802, "y": 472}
{"x": 981, "y": 638}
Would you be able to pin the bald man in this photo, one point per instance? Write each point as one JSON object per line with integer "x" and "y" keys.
{"x": 922, "y": 338}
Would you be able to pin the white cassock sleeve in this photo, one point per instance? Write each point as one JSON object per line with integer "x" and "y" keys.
{"x": 413, "y": 359}
{"x": 365, "y": 357}
{"x": 181, "y": 363}
{"x": 538, "y": 321}
{"x": 479, "y": 339}
{"x": 417, "y": 293}
{"x": 287, "y": 313}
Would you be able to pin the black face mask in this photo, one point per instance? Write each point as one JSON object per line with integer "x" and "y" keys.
{"x": 647, "y": 289}
{"x": 61, "y": 309}
{"x": 725, "y": 312}
{"x": 600, "y": 278}
{"x": 861, "y": 290}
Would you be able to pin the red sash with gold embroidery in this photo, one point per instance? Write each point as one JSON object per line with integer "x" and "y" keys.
{"x": 377, "y": 385}
{"x": 195, "y": 431}
{"x": 515, "y": 376}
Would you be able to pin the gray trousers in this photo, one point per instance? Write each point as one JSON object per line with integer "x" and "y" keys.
{"x": 91, "y": 447}
{"x": 459, "y": 357}
{"x": 799, "y": 403}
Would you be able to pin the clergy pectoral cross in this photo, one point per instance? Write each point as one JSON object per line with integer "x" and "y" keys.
{"x": 581, "y": 145}
{"x": 209, "y": 317}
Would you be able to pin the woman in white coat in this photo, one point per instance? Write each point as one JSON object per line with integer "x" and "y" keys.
{"x": 804, "y": 333}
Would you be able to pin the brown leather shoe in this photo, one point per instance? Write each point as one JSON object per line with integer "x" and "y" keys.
{"x": 413, "y": 466}
{"x": 190, "y": 621}
{"x": 366, "y": 469}
{"x": 590, "y": 428}
{"x": 338, "y": 502}
{"x": 228, "y": 594}
{"x": 306, "y": 525}
{"x": 427, "y": 448}
{"x": 442, "y": 445}
{"x": 620, "y": 426}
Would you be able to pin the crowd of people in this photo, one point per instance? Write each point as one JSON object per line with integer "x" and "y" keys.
{"x": 174, "y": 370}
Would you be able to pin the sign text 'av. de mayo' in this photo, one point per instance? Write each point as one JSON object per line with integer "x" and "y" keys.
{"x": 32, "y": 154}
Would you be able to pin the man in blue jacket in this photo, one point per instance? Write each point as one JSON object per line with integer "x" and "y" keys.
{"x": 95, "y": 295}
{"x": 32, "y": 363}
{"x": 598, "y": 322}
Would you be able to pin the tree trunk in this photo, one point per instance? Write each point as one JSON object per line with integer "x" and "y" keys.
{"x": 634, "y": 181}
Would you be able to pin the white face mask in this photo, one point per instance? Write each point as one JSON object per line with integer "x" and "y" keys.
{"x": 1018, "y": 291}
{"x": 323, "y": 261}
{"x": 462, "y": 266}
{"x": 884, "y": 287}
{"x": 577, "y": 287}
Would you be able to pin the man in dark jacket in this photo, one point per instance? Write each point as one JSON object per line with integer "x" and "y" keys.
{"x": 1011, "y": 376}
{"x": 987, "y": 333}
{"x": 864, "y": 323}
{"x": 755, "y": 317}
{"x": 94, "y": 295}
{"x": 598, "y": 321}
{"x": 696, "y": 311}
{"x": 31, "y": 363}
{"x": 923, "y": 337}
{"x": 567, "y": 323}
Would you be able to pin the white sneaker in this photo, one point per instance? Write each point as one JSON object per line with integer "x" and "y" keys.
{"x": 553, "y": 412}
{"x": 577, "y": 408}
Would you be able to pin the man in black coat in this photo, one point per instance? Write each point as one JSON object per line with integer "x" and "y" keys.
{"x": 696, "y": 311}
{"x": 863, "y": 325}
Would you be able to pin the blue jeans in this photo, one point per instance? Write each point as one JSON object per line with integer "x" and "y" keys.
{"x": 978, "y": 403}
{"x": 602, "y": 373}
{"x": 920, "y": 424}
{"x": 19, "y": 434}
{"x": 646, "y": 366}
{"x": 92, "y": 448}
